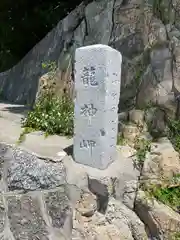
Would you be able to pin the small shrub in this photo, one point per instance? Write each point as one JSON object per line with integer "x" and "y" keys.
{"x": 121, "y": 140}
{"x": 162, "y": 10}
{"x": 167, "y": 192}
{"x": 51, "y": 113}
{"x": 168, "y": 195}
{"x": 175, "y": 236}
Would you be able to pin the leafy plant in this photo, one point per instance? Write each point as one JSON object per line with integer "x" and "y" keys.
{"x": 121, "y": 140}
{"x": 175, "y": 236}
{"x": 167, "y": 191}
{"x": 167, "y": 195}
{"x": 51, "y": 113}
{"x": 174, "y": 133}
{"x": 162, "y": 10}
{"x": 142, "y": 146}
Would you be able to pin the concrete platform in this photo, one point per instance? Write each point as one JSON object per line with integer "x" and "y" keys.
{"x": 51, "y": 147}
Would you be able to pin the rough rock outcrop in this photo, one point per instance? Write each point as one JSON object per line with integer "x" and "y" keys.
{"x": 36, "y": 201}
{"x": 147, "y": 33}
{"x": 46, "y": 197}
{"x": 161, "y": 220}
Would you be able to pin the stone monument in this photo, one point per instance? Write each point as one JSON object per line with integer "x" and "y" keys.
{"x": 97, "y": 90}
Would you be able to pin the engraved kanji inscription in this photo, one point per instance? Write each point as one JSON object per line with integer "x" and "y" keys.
{"x": 88, "y": 144}
{"x": 97, "y": 83}
{"x": 88, "y": 110}
{"x": 89, "y": 76}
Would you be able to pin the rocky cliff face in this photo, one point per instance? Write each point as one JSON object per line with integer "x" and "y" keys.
{"x": 146, "y": 32}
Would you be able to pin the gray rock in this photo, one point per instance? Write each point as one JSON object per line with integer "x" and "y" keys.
{"x": 160, "y": 219}
{"x": 2, "y": 214}
{"x": 26, "y": 73}
{"x": 156, "y": 122}
{"x": 99, "y": 14}
{"x": 25, "y": 218}
{"x": 125, "y": 219}
{"x": 77, "y": 235}
{"x": 130, "y": 27}
{"x": 161, "y": 163}
{"x": 87, "y": 204}
{"x": 136, "y": 116}
{"x": 123, "y": 116}
{"x": 59, "y": 210}
{"x": 26, "y": 172}
{"x": 129, "y": 194}
{"x": 156, "y": 83}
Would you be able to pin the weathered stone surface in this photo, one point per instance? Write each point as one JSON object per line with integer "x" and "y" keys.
{"x": 25, "y": 218}
{"x": 136, "y": 116}
{"x": 123, "y": 116}
{"x": 99, "y": 14}
{"x": 130, "y": 132}
{"x": 162, "y": 163}
{"x": 104, "y": 182}
{"x": 126, "y": 151}
{"x": 157, "y": 82}
{"x": 2, "y": 214}
{"x": 59, "y": 210}
{"x": 26, "y": 172}
{"x": 129, "y": 194}
{"x": 122, "y": 217}
{"x": 95, "y": 217}
{"x": 118, "y": 222}
{"x": 87, "y": 204}
{"x": 148, "y": 41}
{"x": 160, "y": 219}
{"x": 97, "y": 84}
{"x": 26, "y": 73}
{"x": 156, "y": 122}
{"x": 75, "y": 175}
{"x": 111, "y": 231}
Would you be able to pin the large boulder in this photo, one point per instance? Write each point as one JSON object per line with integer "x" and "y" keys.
{"x": 26, "y": 172}
{"x": 162, "y": 164}
{"x": 118, "y": 222}
{"x": 148, "y": 41}
{"x": 161, "y": 220}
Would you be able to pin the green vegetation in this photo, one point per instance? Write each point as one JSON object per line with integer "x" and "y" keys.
{"x": 174, "y": 133}
{"x": 175, "y": 236}
{"x": 121, "y": 140}
{"x": 168, "y": 196}
{"x": 52, "y": 114}
{"x": 164, "y": 10}
{"x": 142, "y": 146}
{"x": 168, "y": 192}
{"x": 23, "y": 134}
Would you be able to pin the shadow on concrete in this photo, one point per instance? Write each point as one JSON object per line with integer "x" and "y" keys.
{"x": 69, "y": 150}
{"x": 13, "y": 108}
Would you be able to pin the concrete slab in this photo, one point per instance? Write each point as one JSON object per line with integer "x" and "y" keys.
{"x": 13, "y": 112}
{"x": 51, "y": 147}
